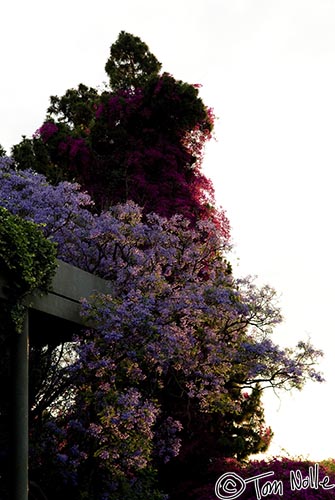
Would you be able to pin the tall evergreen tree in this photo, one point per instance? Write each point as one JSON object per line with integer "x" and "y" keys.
{"x": 131, "y": 63}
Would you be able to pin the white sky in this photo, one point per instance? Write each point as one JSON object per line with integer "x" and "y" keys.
{"x": 267, "y": 68}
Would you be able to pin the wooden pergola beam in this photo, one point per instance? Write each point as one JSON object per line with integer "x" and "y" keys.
{"x": 69, "y": 285}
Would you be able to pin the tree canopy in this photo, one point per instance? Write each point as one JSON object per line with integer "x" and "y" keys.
{"x": 142, "y": 141}
{"x": 131, "y": 63}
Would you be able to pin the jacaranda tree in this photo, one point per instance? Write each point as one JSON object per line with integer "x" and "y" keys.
{"x": 179, "y": 347}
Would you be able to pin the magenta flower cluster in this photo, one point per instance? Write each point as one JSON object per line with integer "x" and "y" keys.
{"x": 289, "y": 478}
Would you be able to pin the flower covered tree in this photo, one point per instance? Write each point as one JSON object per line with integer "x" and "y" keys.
{"x": 141, "y": 139}
{"x": 179, "y": 355}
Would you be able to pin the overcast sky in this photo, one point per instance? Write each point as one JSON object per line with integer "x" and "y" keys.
{"x": 267, "y": 68}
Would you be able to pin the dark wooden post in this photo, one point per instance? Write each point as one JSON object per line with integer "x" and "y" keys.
{"x": 20, "y": 413}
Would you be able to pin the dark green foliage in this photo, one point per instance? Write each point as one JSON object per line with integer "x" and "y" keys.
{"x": 33, "y": 154}
{"x": 209, "y": 436}
{"x": 76, "y": 107}
{"x": 130, "y": 64}
{"x": 244, "y": 433}
{"x": 27, "y": 258}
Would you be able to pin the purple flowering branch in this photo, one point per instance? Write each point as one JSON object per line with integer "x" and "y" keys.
{"x": 175, "y": 326}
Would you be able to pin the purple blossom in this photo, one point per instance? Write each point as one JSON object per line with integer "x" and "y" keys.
{"x": 47, "y": 130}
